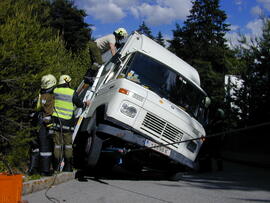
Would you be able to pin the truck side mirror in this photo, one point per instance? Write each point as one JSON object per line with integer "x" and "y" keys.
{"x": 207, "y": 102}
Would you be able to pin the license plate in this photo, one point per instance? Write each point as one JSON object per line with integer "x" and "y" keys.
{"x": 156, "y": 147}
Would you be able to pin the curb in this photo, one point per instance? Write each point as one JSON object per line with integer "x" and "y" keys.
{"x": 45, "y": 182}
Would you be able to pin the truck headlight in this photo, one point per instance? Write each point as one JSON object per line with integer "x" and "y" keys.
{"x": 128, "y": 110}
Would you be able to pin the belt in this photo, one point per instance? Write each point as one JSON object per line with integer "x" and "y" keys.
{"x": 64, "y": 127}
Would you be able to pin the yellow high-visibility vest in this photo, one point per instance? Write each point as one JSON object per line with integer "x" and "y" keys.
{"x": 63, "y": 105}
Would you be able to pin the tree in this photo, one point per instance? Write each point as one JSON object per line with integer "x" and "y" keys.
{"x": 254, "y": 96}
{"x": 28, "y": 50}
{"x": 201, "y": 43}
{"x": 159, "y": 39}
{"x": 143, "y": 29}
{"x": 69, "y": 22}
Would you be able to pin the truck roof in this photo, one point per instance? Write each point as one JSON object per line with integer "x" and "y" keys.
{"x": 140, "y": 42}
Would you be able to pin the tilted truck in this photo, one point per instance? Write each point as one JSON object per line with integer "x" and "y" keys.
{"x": 146, "y": 104}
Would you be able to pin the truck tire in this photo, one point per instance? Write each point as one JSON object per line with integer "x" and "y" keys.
{"x": 93, "y": 147}
{"x": 93, "y": 144}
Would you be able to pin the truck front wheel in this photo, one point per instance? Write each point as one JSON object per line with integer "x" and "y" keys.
{"x": 93, "y": 149}
{"x": 93, "y": 144}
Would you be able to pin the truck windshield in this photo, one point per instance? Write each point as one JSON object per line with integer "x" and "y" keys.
{"x": 165, "y": 82}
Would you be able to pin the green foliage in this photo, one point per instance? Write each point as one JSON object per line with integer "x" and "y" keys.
{"x": 159, "y": 39}
{"x": 144, "y": 29}
{"x": 211, "y": 78}
{"x": 28, "y": 50}
{"x": 33, "y": 177}
{"x": 201, "y": 43}
{"x": 254, "y": 97}
{"x": 69, "y": 21}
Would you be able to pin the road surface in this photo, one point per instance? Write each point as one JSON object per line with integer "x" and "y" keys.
{"x": 236, "y": 183}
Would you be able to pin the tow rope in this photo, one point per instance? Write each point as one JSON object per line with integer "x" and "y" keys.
{"x": 204, "y": 137}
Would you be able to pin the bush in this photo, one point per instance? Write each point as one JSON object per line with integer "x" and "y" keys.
{"x": 28, "y": 50}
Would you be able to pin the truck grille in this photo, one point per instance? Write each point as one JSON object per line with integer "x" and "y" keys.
{"x": 161, "y": 129}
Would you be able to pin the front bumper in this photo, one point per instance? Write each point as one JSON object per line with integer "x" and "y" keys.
{"x": 135, "y": 138}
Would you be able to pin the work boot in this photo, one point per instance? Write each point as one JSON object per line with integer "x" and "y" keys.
{"x": 45, "y": 166}
{"x": 34, "y": 163}
{"x": 80, "y": 175}
{"x": 56, "y": 164}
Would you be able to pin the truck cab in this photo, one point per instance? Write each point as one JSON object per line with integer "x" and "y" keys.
{"x": 146, "y": 104}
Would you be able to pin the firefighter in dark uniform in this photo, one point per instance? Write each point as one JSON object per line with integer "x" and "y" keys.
{"x": 215, "y": 143}
{"x": 64, "y": 121}
{"x": 210, "y": 154}
{"x": 45, "y": 105}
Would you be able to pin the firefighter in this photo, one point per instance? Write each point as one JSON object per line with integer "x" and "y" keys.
{"x": 210, "y": 154}
{"x": 97, "y": 48}
{"x": 64, "y": 121}
{"x": 110, "y": 41}
{"x": 45, "y": 105}
{"x": 217, "y": 125}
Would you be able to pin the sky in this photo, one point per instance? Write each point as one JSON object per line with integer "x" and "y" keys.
{"x": 162, "y": 15}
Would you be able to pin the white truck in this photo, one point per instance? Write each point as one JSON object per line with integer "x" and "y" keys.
{"x": 146, "y": 104}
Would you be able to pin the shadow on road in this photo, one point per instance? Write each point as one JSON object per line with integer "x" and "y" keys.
{"x": 120, "y": 173}
{"x": 101, "y": 175}
{"x": 234, "y": 177}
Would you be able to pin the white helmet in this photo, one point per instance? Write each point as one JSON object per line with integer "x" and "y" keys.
{"x": 121, "y": 32}
{"x": 48, "y": 81}
{"x": 64, "y": 79}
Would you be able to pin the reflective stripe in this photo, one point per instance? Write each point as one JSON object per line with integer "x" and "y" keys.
{"x": 67, "y": 128}
{"x": 45, "y": 154}
{"x": 63, "y": 97}
{"x": 57, "y": 146}
{"x": 68, "y": 146}
{"x": 64, "y": 114}
{"x": 64, "y": 127}
{"x": 35, "y": 150}
{"x": 47, "y": 118}
{"x": 38, "y": 102}
{"x": 64, "y": 109}
{"x": 51, "y": 132}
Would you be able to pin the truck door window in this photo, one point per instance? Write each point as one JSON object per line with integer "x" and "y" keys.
{"x": 104, "y": 73}
{"x": 118, "y": 64}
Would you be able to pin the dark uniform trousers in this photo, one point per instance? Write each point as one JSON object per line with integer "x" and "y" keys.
{"x": 63, "y": 148}
{"x": 96, "y": 61}
{"x": 94, "y": 53}
{"x": 45, "y": 148}
{"x": 45, "y": 105}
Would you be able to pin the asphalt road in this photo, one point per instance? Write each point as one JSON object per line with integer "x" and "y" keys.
{"x": 236, "y": 183}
